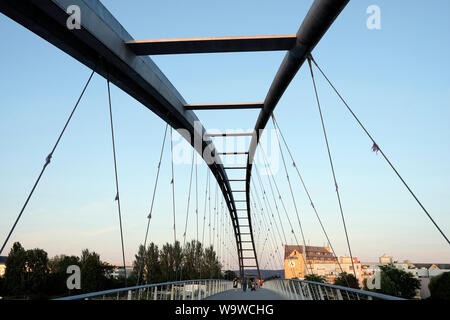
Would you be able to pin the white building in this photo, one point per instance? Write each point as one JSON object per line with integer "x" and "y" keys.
{"x": 424, "y": 272}
{"x": 119, "y": 272}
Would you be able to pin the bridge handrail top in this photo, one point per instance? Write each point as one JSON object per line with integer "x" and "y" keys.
{"x": 364, "y": 292}
{"x": 100, "y": 293}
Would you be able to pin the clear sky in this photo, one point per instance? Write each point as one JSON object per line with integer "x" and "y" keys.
{"x": 397, "y": 80}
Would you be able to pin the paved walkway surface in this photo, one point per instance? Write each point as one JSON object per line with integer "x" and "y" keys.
{"x": 260, "y": 294}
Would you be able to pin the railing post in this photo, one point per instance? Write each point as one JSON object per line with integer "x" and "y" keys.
{"x": 286, "y": 289}
{"x": 148, "y": 293}
{"x": 281, "y": 285}
{"x": 278, "y": 286}
{"x": 291, "y": 290}
{"x": 320, "y": 292}
{"x": 285, "y": 292}
{"x": 129, "y": 295}
{"x": 300, "y": 286}
{"x": 184, "y": 291}
{"x": 294, "y": 290}
{"x": 311, "y": 297}
{"x": 326, "y": 292}
{"x": 172, "y": 291}
{"x": 199, "y": 290}
{"x": 155, "y": 297}
{"x": 339, "y": 294}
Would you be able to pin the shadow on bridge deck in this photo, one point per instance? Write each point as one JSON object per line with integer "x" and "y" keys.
{"x": 260, "y": 294}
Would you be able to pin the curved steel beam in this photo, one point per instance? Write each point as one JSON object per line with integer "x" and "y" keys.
{"x": 100, "y": 44}
{"x": 319, "y": 18}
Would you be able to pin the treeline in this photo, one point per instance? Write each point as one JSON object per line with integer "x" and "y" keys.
{"x": 173, "y": 262}
{"x": 30, "y": 274}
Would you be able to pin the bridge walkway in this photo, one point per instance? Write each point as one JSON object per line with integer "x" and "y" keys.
{"x": 259, "y": 294}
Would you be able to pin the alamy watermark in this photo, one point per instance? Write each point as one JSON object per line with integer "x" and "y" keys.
{"x": 74, "y": 19}
{"x": 374, "y": 281}
{"x": 373, "y": 22}
{"x": 74, "y": 280}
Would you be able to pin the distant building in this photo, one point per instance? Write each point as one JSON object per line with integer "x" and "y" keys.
{"x": 424, "y": 272}
{"x": 2, "y": 266}
{"x": 347, "y": 266}
{"x": 384, "y": 259}
{"x": 118, "y": 272}
{"x": 295, "y": 257}
{"x": 321, "y": 261}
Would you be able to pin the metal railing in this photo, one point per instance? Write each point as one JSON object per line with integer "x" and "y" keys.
{"x": 176, "y": 290}
{"x": 295, "y": 289}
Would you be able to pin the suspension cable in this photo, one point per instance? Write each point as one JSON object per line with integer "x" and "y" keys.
{"x": 290, "y": 189}
{"x": 274, "y": 246}
{"x": 255, "y": 191}
{"x": 331, "y": 165}
{"x": 47, "y": 162}
{"x": 267, "y": 203}
{"x": 275, "y": 250}
{"x": 285, "y": 210}
{"x": 271, "y": 215}
{"x": 189, "y": 198}
{"x": 196, "y": 195}
{"x": 187, "y": 207}
{"x": 172, "y": 182}
{"x": 149, "y": 217}
{"x": 275, "y": 203}
{"x": 117, "y": 178}
{"x": 269, "y": 235}
{"x": 376, "y": 147}
{"x": 204, "y": 212}
{"x": 276, "y": 125}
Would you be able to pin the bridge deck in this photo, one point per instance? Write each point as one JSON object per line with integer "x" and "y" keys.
{"x": 260, "y": 294}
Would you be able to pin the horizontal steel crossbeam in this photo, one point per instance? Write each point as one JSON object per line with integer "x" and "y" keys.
{"x": 211, "y": 44}
{"x": 224, "y": 106}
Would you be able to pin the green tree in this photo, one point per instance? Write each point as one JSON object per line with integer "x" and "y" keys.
{"x": 399, "y": 283}
{"x": 139, "y": 263}
{"x": 147, "y": 261}
{"x": 211, "y": 265}
{"x": 167, "y": 262}
{"x": 177, "y": 253}
{"x": 58, "y": 274}
{"x": 229, "y": 275}
{"x": 315, "y": 278}
{"x": 94, "y": 272}
{"x": 37, "y": 272}
{"x": 440, "y": 286}
{"x": 192, "y": 252}
{"x": 15, "y": 275}
{"x": 347, "y": 279}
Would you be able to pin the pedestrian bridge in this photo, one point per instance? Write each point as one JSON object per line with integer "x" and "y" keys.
{"x": 214, "y": 289}
{"x": 103, "y": 44}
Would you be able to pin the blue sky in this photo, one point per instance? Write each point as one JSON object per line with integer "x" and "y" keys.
{"x": 396, "y": 79}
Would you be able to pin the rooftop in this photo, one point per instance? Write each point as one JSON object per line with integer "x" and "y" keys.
{"x": 312, "y": 252}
